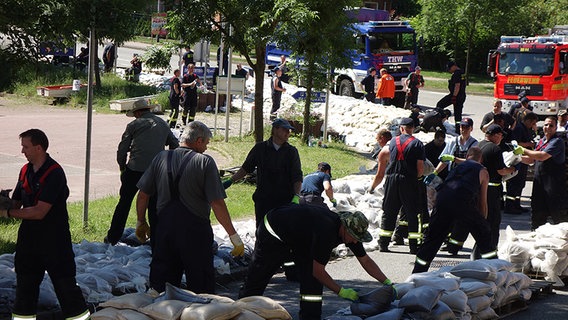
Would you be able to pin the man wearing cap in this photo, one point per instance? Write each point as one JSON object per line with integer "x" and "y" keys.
{"x": 413, "y": 82}
{"x": 406, "y": 166}
{"x": 316, "y": 183}
{"x": 277, "y": 89}
{"x": 548, "y": 196}
{"x": 278, "y": 171}
{"x": 368, "y": 84}
{"x": 523, "y": 133}
{"x": 143, "y": 139}
{"x": 457, "y": 95}
{"x": 310, "y": 233}
{"x": 386, "y": 89}
{"x": 492, "y": 159}
{"x": 462, "y": 197}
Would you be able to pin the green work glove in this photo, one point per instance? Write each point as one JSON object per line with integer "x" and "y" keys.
{"x": 142, "y": 231}
{"x": 518, "y": 150}
{"x": 238, "y": 246}
{"x": 348, "y": 294}
{"x": 429, "y": 178}
{"x": 334, "y": 202}
{"x": 296, "y": 199}
{"x": 227, "y": 183}
{"x": 447, "y": 158}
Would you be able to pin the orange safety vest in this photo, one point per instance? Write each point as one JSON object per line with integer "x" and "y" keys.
{"x": 386, "y": 87}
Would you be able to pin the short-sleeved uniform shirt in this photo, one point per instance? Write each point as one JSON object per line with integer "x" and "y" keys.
{"x": 173, "y": 82}
{"x": 276, "y": 170}
{"x": 199, "y": 185}
{"x": 509, "y": 120}
{"x": 492, "y": 160}
{"x": 313, "y": 182}
{"x": 521, "y": 133}
{"x": 310, "y": 231}
{"x": 414, "y": 80}
{"x": 189, "y": 78}
{"x": 455, "y": 148}
{"x": 457, "y": 77}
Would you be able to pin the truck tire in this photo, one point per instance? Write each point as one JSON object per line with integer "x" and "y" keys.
{"x": 346, "y": 88}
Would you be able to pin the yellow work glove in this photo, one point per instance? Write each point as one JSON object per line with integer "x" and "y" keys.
{"x": 518, "y": 150}
{"x": 142, "y": 231}
{"x": 238, "y": 245}
{"x": 348, "y": 294}
{"x": 447, "y": 158}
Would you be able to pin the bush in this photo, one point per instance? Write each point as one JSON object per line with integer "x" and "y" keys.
{"x": 158, "y": 56}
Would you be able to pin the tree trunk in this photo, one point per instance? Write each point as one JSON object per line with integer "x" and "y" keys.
{"x": 260, "y": 50}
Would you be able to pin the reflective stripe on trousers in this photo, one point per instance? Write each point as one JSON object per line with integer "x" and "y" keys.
{"x": 385, "y": 233}
{"x": 456, "y": 242}
{"x": 489, "y": 255}
{"x": 84, "y": 316}
{"x": 311, "y": 298}
{"x": 269, "y": 228}
{"x": 414, "y": 236}
{"x": 421, "y": 262}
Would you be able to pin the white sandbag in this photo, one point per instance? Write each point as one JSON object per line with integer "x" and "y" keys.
{"x": 498, "y": 264}
{"x": 431, "y": 274}
{"x": 447, "y": 284}
{"x": 476, "y": 270}
{"x": 47, "y": 298}
{"x": 249, "y": 315}
{"x": 511, "y": 293}
{"x": 264, "y": 307}
{"x": 133, "y": 301}
{"x": 551, "y": 243}
{"x": 550, "y": 260}
{"x": 501, "y": 278}
{"x": 216, "y": 298}
{"x": 536, "y": 264}
{"x": 132, "y": 315}
{"x": 498, "y": 297}
{"x": 175, "y": 293}
{"x": 485, "y": 314}
{"x": 456, "y": 300}
{"x": 491, "y": 284}
{"x": 210, "y": 311}
{"x": 511, "y": 159}
{"x": 420, "y": 299}
{"x": 106, "y": 314}
{"x": 392, "y": 314}
{"x": 523, "y": 281}
{"x": 562, "y": 263}
{"x": 442, "y": 312}
{"x": 165, "y": 310}
{"x": 525, "y": 294}
{"x": 478, "y": 303}
{"x": 475, "y": 288}
{"x": 547, "y": 230}
{"x": 403, "y": 287}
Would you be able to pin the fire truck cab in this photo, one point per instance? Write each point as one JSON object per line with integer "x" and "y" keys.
{"x": 536, "y": 65}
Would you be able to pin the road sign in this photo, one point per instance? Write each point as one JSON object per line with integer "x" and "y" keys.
{"x": 317, "y": 96}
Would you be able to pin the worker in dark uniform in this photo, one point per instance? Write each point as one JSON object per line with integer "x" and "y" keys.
{"x": 406, "y": 166}
{"x": 310, "y": 233}
{"x": 492, "y": 159}
{"x": 278, "y": 171}
{"x": 187, "y": 58}
{"x": 522, "y": 133}
{"x": 463, "y": 197}
{"x": 368, "y": 84}
{"x": 457, "y": 95}
{"x": 44, "y": 240}
{"x": 497, "y": 110}
{"x": 316, "y": 183}
{"x": 174, "y": 97}
{"x": 189, "y": 85}
{"x": 413, "y": 83}
{"x": 277, "y": 89}
{"x": 548, "y": 196}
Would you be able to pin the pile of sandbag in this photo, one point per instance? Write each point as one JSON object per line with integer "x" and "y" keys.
{"x": 181, "y": 304}
{"x": 543, "y": 251}
{"x": 470, "y": 290}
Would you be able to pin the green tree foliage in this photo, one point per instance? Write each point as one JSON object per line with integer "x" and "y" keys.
{"x": 320, "y": 34}
{"x": 465, "y": 30}
{"x": 253, "y": 23}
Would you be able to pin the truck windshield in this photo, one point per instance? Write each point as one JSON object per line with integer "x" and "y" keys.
{"x": 526, "y": 63}
{"x": 391, "y": 42}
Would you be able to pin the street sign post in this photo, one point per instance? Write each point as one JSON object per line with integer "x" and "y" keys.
{"x": 317, "y": 96}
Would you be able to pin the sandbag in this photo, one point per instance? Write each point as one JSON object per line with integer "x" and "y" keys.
{"x": 456, "y": 300}
{"x": 485, "y": 314}
{"x": 165, "y": 310}
{"x": 133, "y": 301}
{"x": 501, "y": 279}
{"x": 475, "y": 288}
{"x": 392, "y": 314}
{"x": 524, "y": 281}
{"x": 211, "y": 311}
{"x": 249, "y": 315}
{"x": 403, "y": 287}
{"x": 420, "y": 299}
{"x": 132, "y": 315}
{"x": 498, "y": 264}
{"x": 479, "y": 303}
{"x": 264, "y": 307}
{"x": 475, "y": 270}
{"x": 105, "y": 314}
{"x": 174, "y": 293}
{"x": 525, "y": 294}
{"x": 448, "y": 284}
{"x": 215, "y": 298}
{"x": 378, "y": 297}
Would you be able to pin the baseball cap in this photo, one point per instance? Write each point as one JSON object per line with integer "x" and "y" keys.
{"x": 356, "y": 224}
{"x": 417, "y": 68}
{"x": 323, "y": 166}
{"x": 371, "y": 69}
{"x": 276, "y": 69}
{"x": 525, "y": 100}
{"x": 138, "y": 105}
{"x": 406, "y": 122}
{"x": 563, "y": 113}
{"x": 282, "y": 123}
{"x": 466, "y": 122}
{"x": 494, "y": 129}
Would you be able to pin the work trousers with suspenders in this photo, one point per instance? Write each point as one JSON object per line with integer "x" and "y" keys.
{"x": 400, "y": 192}
{"x": 269, "y": 254}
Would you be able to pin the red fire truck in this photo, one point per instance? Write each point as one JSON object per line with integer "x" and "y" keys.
{"x": 536, "y": 65}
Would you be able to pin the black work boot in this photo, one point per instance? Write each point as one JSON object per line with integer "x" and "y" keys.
{"x": 413, "y": 244}
{"x": 511, "y": 208}
{"x": 384, "y": 244}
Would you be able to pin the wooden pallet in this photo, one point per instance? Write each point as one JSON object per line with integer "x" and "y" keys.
{"x": 511, "y": 308}
{"x": 541, "y": 288}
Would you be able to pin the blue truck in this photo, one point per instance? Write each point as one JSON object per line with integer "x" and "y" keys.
{"x": 381, "y": 43}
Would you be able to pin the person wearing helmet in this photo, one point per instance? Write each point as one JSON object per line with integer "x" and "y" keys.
{"x": 310, "y": 233}
{"x": 315, "y": 183}
{"x": 368, "y": 84}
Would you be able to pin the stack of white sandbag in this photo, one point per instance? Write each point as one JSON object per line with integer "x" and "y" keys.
{"x": 543, "y": 251}
{"x": 181, "y": 304}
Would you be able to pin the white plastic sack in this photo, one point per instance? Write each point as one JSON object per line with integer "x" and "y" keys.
{"x": 456, "y": 300}
{"x": 420, "y": 299}
{"x": 447, "y": 284}
{"x": 476, "y": 270}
